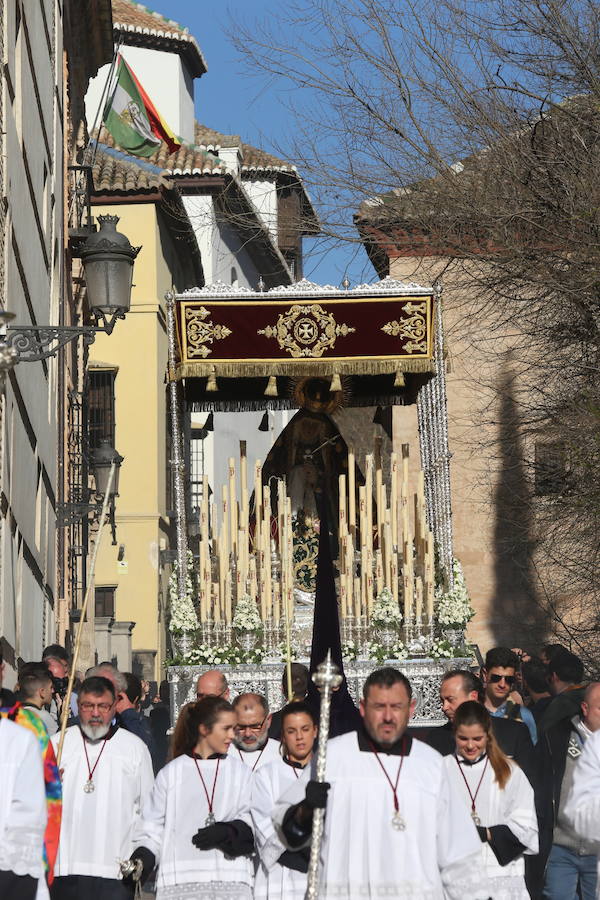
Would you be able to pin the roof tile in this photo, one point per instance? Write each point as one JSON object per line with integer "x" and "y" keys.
{"x": 188, "y": 160}
{"x": 139, "y": 26}
{"x": 254, "y": 159}
{"x": 126, "y": 12}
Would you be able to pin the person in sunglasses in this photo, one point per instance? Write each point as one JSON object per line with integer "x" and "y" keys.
{"x": 499, "y": 677}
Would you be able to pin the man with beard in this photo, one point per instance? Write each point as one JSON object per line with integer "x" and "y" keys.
{"x": 107, "y": 775}
{"x": 393, "y": 828}
{"x": 252, "y": 743}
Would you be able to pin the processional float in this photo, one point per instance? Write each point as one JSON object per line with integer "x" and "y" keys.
{"x": 314, "y": 349}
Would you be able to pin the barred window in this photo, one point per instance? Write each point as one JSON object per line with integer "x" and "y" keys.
{"x": 101, "y": 406}
{"x": 104, "y": 597}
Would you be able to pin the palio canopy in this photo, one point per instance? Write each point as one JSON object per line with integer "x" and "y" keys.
{"x": 372, "y": 336}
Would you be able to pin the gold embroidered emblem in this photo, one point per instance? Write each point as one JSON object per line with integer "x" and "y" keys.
{"x": 200, "y": 332}
{"x": 412, "y": 327}
{"x": 307, "y": 331}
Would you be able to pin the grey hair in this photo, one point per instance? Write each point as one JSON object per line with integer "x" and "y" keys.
{"x": 249, "y": 699}
{"x": 118, "y": 678}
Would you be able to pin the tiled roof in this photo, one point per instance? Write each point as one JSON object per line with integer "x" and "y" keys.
{"x": 126, "y": 12}
{"x": 254, "y": 159}
{"x": 140, "y": 26}
{"x": 114, "y": 171}
{"x": 188, "y": 160}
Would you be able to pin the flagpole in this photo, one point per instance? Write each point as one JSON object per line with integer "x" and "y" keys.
{"x": 102, "y": 104}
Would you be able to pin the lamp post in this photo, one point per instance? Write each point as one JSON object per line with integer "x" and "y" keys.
{"x": 107, "y": 258}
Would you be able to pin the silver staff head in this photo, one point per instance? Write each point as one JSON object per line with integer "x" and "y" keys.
{"x": 131, "y": 867}
{"x": 327, "y": 674}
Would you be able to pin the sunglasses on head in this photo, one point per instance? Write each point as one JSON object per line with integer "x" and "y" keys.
{"x": 496, "y": 679}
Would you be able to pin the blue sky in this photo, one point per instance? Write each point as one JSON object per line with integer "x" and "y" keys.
{"x": 229, "y": 101}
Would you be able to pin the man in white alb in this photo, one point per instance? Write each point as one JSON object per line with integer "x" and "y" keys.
{"x": 392, "y": 827}
{"x": 22, "y": 812}
{"x": 107, "y": 775}
{"x": 252, "y": 743}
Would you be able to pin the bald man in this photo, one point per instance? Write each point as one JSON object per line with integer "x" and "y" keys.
{"x": 212, "y": 684}
{"x": 571, "y": 870}
{"x": 251, "y": 741}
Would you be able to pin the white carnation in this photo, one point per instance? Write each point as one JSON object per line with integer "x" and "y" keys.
{"x": 246, "y": 616}
{"x": 386, "y": 611}
{"x": 183, "y": 615}
{"x": 454, "y": 607}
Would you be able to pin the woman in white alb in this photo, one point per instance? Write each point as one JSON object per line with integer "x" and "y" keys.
{"x": 196, "y": 824}
{"x": 499, "y": 797}
{"x": 281, "y": 873}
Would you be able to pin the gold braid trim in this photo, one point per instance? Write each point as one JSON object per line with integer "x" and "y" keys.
{"x": 315, "y": 368}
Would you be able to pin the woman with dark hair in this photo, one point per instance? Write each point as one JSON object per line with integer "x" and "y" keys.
{"x": 196, "y": 824}
{"x": 281, "y": 873}
{"x": 499, "y": 798}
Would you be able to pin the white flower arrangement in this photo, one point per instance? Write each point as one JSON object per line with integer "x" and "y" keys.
{"x": 282, "y": 650}
{"x": 246, "y": 617}
{"x": 183, "y": 615}
{"x": 386, "y": 611}
{"x": 453, "y": 608}
{"x": 205, "y": 655}
{"x": 350, "y": 651}
{"x": 379, "y": 653}
{"x": 442, "y": 649}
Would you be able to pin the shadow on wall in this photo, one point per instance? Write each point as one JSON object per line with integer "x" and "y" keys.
{"x": 518, "y": 619}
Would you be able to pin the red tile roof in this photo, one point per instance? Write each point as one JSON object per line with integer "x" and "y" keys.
{"x": 188, "y": 160}
{"x": 137, "y": 25}
{"x": 253, "y": 159}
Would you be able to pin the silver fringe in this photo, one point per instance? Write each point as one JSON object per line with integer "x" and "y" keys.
{"x": 177, "y": 458}
{"x": 432, "y": 412}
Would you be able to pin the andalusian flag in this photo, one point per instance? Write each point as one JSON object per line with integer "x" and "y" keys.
{"x": 133, "y": 120}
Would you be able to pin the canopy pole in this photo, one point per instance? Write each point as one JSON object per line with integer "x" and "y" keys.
{"x": 177, "y": 460}
{"x": 67, "y": 699}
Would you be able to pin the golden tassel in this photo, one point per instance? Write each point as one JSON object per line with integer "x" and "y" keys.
{"x": 399, "y": 380}
{"x": 271, "y": 388}
{"x": 211, "y": 384}
{"x": 336, "y": 382}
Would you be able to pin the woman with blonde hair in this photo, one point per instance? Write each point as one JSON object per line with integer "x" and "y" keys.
{"x": 499, "y": 797}
{"x": 196, "y": 825}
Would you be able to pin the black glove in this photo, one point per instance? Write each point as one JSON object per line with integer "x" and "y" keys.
{"x": 148, "y": 861}
{"x": 297, "y": 860}
{"x": 212, "y": 837}
{"x": 482, "y": 832}
{"x": 316, "y": 794}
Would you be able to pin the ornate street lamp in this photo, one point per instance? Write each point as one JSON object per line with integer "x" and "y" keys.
{"x": 103, "y": 458}
{"x": 108, "y": 259}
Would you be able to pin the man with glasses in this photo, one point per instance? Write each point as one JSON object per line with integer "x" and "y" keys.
{"x": 499, "y": 676}
{"x": 212, "y": 684}
{"x": 251, "y": 741}
{"x": 106, "y": 776}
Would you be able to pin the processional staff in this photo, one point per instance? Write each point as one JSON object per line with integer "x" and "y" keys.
{"x": 327, "y": 678}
